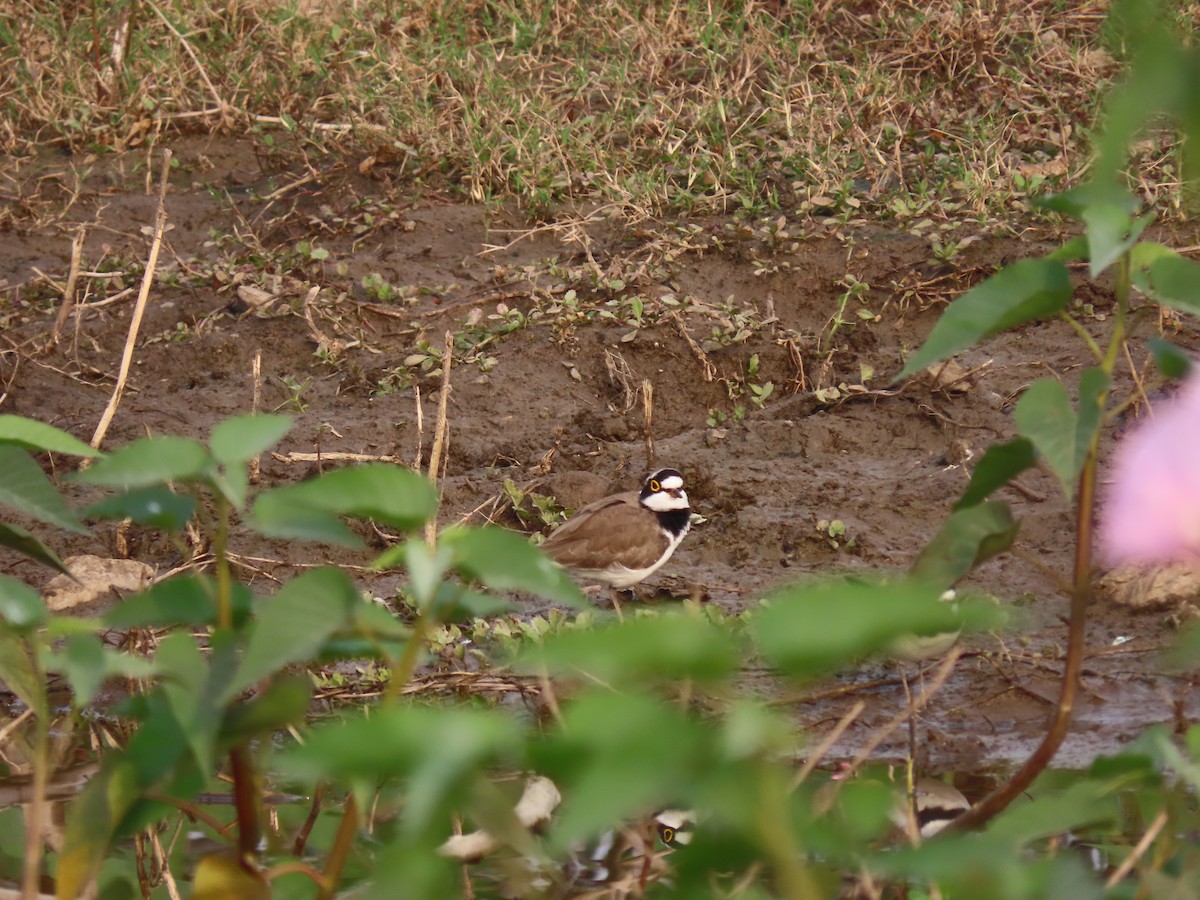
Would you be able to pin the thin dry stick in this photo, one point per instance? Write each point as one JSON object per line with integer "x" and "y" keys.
{"x": 420, "y": 428}
{"x": 164, "y": 865}
{"x": 139, "y": 309}
{"x": 710, "y": 371}
{"x": 648, "y": 419}
{"x": 832, "y": 738}
{"x": 440, "y": 430}
{"x": 187, "y": 48}
{"x": 256, "y": 373}
{"x": 336, "y": 456}
{"x": 68, "y": 301}
{"x": 1143, "y": 845}
{"x": 1138, "y": 381}
{"x": 912, "y": 709}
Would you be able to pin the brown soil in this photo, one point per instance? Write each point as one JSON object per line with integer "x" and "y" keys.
{"x": 887, "y": 462}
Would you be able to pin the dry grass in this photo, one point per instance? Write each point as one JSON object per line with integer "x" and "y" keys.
{"x": 953, "y": 109}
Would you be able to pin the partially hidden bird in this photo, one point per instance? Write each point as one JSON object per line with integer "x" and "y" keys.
{"x": 624, "y": 539}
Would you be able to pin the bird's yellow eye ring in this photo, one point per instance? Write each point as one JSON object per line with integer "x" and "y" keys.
{"x": 667, "y": 835}
{"x": 655, "y": 487}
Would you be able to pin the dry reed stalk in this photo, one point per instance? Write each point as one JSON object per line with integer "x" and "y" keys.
{"x": 441, "y": 430}
{"x": 139, "y": 309}
{"x": 68, "y": 300}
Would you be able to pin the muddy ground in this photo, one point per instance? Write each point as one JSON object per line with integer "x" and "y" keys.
{"x": 560, "y": 394}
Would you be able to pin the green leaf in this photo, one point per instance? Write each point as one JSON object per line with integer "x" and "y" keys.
{"x": 808, "y": 629}
{"x": 1022, "y": 292}
{"x": 1091, "y": 195}
{"x": 277, "y": 514}
{"x": 670, "y": 646}
{"x": 1069, "y": 251}
{"x": 33, "y": 435}
{"x": 160, "y": 745}
{"x": 1044, "y": 415}
{"x": 157, "y": 506}
{"x": 233, "y": 483}
{"x": 1085, "y": 802}
{"x": 82, "y": 662}
{"x": 241, "y": 438}
{"x": 1166, "y": 277}
{"x": 21, "y": 607}
{"x": 186, "y": 684}
{"x": 17, "y": 671}
{"x": 505, "y": 561}
{"x": 149, "y": 461}
{"x": 999, "y": 465}
{"x": 426, "y": 568}
{"x": 1093, "y": 391}
{"x": 618, "y": 754}
{"x": 92, "y": 820}
{"x": 438, "y": 749}
{"x": 283, "y": 703}
{"x": 25, "y": 487}
{"x": 1111, "y": 233}
{"x": 1171, "y": 360}
{"x": 971, "y": 536}
{"x": 182, "y": 600}
{"x": 23, "y": 542}
{"x": 87, "y": 661}
{"x": 387, "y": 494}
{"x": 293, "y": 624}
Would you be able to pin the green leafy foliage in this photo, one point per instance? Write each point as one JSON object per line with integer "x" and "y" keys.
{"x": 27, "y": 544}
{"x": 182, "y": 600}
{"x": 1023, "y": 292}
{"x": 1172, "y": 361}
{"x": 309, "y": 511}
{"x": 25, "y": 487}
{"x": 508, "y": 562}
{"x": 21, "y": 608}
{"x": 971, "y": 536}
{"x": 652, "y": 714}
{"x": 292, "y": 625}
{"x": 1166, "y": 277}
{"x": 241, "y": 438}
{"x": 1046, "y": 418}
{"x": 435, "y": 750}
{"x": 1001, "y": 463}
{"x": 150, "y": 462}
{"x": 34, "y": 435}
{"x": 669, "y": 646}
{"x": 798, "y": 632}
{"x": 157, "y": 507}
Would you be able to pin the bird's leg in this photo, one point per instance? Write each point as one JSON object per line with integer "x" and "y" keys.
{"x": 614, "y": 594}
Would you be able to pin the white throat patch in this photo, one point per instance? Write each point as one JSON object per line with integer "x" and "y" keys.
{"x": 664, "y": 501}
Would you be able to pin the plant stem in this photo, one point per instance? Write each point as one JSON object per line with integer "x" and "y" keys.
{"x": 777, "y": 835}
{"x": 402, "y": 671}
{"x": 221, "y": 560}
{"x": 35, "y": 816}
{"x": 1081, "y": 590}
{"x": 245, "y": 801}
{"x": 340, "y": 849}
{"x": 995, "y": 802}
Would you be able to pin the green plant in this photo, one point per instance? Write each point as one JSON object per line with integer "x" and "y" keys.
{"x": 541, "y": 510}
{"x": 220, "y": 680}
{"x": 296, "y": 389}
{"x": 834, "y": 532}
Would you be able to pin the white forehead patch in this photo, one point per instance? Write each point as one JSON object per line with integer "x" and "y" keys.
{"x": 671, "y": 483}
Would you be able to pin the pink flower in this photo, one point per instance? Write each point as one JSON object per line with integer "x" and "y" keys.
{"x": 1151, "y": 513}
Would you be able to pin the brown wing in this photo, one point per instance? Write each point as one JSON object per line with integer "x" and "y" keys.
{"x": 613, "y": 530}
